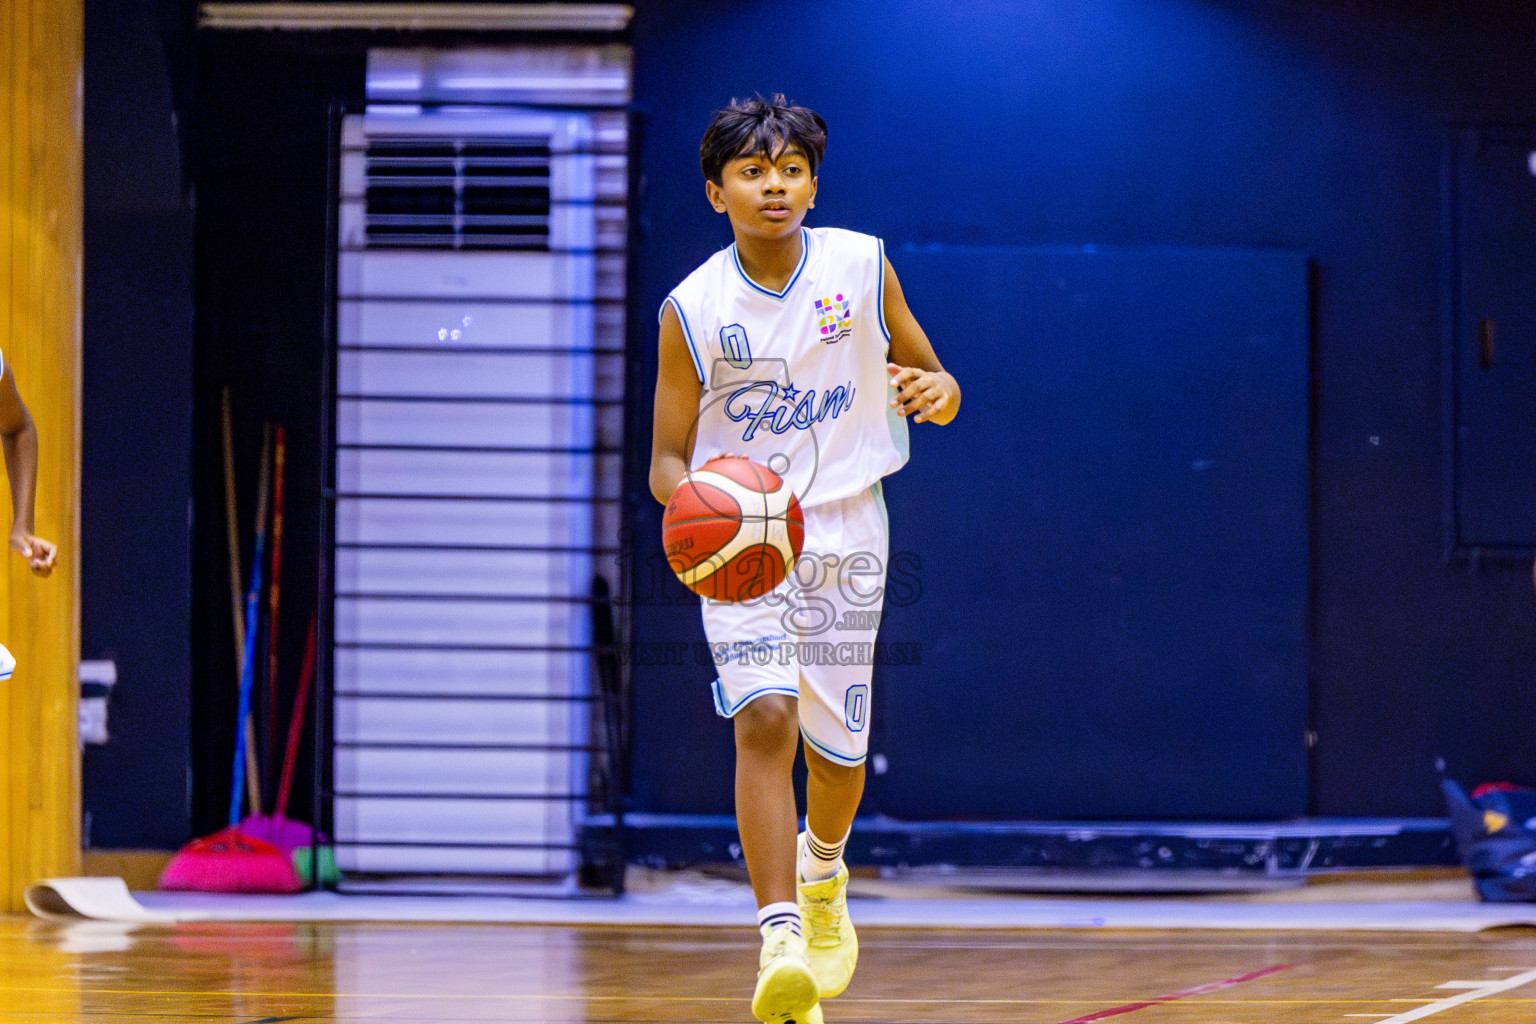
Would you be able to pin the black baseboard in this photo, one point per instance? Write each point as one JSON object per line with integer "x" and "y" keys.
{"x": 1275, "y": 848}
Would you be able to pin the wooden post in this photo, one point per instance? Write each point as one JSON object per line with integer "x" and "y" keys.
{"x": 40, "y": 259}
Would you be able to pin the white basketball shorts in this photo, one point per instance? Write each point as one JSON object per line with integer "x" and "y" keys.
{"x": 813, "y": 636}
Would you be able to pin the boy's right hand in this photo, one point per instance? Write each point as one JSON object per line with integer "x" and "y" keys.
{"x": 40, "y": 554}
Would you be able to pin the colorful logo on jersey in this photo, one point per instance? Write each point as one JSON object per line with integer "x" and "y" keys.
{"x": 834, "y": 319}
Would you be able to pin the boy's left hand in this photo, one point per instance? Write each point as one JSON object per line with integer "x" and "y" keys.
{"x": 927, "y": 394}
{"x": 40, "y": 554}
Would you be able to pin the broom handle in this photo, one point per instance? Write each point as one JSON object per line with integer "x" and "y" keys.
{"x": 247, "y": 769}
{"x": 296, "y": 721}
{"x": 245, "y": 723}
{"x": 233, "y": 530}
{"x": 270, "y": 731}
{"x": 243, "y": 739}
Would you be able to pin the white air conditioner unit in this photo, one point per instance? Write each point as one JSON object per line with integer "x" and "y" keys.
{"x": 465, "y": 437}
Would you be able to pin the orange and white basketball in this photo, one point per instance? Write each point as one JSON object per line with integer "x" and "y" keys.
{"x": 732, "y": 530}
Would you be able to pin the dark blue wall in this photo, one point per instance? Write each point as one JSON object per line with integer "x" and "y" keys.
{"x": 260, "y": 152}
{"x": 137, "y": 398}
{"x": 1310, "y": 126}
{"x": 1317, "y": 127}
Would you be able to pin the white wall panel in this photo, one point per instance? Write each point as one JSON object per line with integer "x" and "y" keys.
{"x": 447, "y": 860}
{"x": 435, "y": 521}
{"x": 463, "y": 423}
{"x": 482, "y": 623}
{"x": 528, "y": 573}
{"x": 437, "y": 572}
{"x": 525, "y": 474}
{"x": 465, "y": 325}
{"x": 362, "y": 770}
{"x": 461, "y": 672}
{"x": 448, "y": 721}
{"x": 390, "y": 274}
{"x": 459, "y": 821}
{"x": 554, "y": 375}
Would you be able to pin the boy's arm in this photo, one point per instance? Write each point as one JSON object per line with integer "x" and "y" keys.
{"x": 922, "y": 385}
{"x": 18, "y": 436}
{"x": 677, "y": 408}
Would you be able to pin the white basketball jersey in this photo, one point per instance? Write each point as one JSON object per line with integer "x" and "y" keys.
{"x": 796, "y": 380}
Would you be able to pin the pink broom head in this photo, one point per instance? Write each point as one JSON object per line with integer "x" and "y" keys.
{"x": 228, "y": 861}
{"x": 284, "y": 833}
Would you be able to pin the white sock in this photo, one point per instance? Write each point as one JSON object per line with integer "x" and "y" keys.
{"x": 776, "y": 914}
{"x": 821, "y": 859}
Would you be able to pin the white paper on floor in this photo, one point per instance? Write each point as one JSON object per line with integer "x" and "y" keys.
{"x": 97, "y": 899}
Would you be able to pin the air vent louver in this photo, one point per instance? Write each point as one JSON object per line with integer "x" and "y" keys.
{"x": 466, "y": 193}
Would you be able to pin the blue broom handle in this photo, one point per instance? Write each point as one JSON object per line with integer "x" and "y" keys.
{"x": 247, "y": 684}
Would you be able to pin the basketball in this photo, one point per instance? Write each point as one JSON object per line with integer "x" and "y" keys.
{"x": 732, "y": 530}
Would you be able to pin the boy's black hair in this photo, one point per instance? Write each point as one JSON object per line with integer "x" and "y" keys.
{"x": 758, "y": 126}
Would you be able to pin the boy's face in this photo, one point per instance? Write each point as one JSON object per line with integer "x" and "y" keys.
{"x": 764, "y": 197}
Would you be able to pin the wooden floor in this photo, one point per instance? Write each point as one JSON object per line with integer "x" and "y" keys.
{"x": 459, "y": 973}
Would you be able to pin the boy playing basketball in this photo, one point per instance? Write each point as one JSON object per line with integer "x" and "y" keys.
{"x": 794, "y": 347}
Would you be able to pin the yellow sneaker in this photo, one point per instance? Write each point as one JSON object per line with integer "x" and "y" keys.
{"x": 831, "y": 944}
{"x": 786, "y": 988}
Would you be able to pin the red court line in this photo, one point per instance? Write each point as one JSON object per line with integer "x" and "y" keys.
{"x": 1200, "y": 990}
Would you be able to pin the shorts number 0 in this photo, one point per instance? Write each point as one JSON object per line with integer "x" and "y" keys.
{"x": 856, "y": 707}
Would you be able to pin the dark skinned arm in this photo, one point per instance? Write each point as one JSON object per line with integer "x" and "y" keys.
{"x": 677, "y": 408}
{"x": 18, "y": 437}
{"x": 924, "y": 390}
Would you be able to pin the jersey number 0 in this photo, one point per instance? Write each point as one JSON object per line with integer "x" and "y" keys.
{"x": 733, "y": 339}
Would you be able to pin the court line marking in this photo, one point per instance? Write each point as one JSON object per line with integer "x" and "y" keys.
{"x": 1489, "y": 988}
{"x": 1214, "y": 986}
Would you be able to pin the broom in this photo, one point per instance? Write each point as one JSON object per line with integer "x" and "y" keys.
{"x": 295, "y": 839}
{"x": 228, "y": 861}
{"x": 277, "y": 828}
